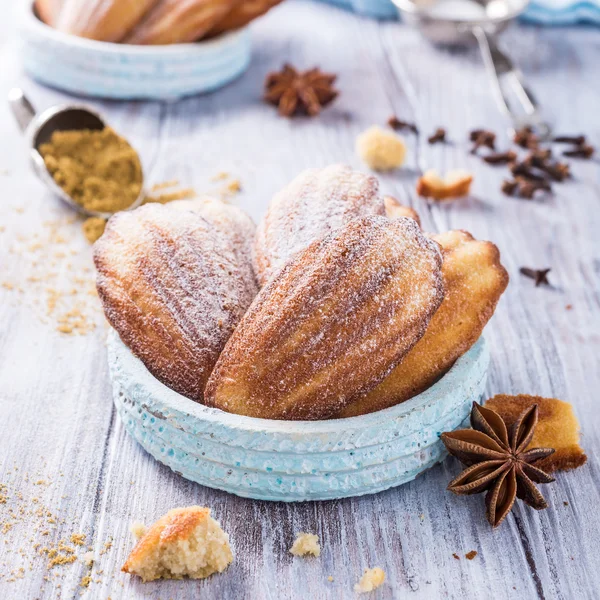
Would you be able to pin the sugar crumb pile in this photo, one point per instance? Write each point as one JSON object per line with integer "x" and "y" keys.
{"x": 371, "y": 580}
{"x": 305, "y": 544}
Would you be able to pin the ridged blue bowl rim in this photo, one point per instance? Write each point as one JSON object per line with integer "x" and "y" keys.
{"x": 293, "y": 460}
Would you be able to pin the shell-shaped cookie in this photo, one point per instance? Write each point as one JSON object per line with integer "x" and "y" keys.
{"x": 103, "y": 20}
{"x": 242, "y": 13}
{"x": 314, "y": 204}
{"x": 179, "y": 21}
{"x": 234, "y": 224}
{"x": 173, "y": 287}
{"x": 474, "y": 280}
{"x": 332, "y": 323}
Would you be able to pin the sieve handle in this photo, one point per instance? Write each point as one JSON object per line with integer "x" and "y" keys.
{"x": 509, "y": 85}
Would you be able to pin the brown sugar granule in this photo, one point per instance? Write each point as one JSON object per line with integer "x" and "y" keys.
{"x": 182, "y": 194}
{"x": 78, "y": 539}
{"x": 85, "y": 581}
{"x": 98, "y": 169}
{"x": 164, "y": 184}
{"x": 471, "y": 555}
{"x": 93, "y": 228}
{"x": 557, "y": 428}
{"x": 456, "y": 556}
{"x": 233, "y": 187}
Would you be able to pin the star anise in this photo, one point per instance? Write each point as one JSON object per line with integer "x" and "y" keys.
{"x": 498, "y": 461}
{"x": 300, "y": 92}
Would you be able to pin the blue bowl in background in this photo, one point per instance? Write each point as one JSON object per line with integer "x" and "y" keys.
{"x": 124, "y": 71}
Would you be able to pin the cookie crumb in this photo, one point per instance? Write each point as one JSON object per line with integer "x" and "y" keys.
{"x": 456, "y": 556}
{"x": 471, "y": 555}
{"x": 138, "y": 529}
{"x": 306, "y": 543}
{"x": 93, "y": 228}
{"x": 371, "y": 580}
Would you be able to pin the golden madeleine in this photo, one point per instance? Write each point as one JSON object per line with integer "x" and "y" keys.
{"x": 314, "y": 204}
{"x": 174, "y": 288}
{"x": 332, "y": 323}
{"x": 474, "y": 280}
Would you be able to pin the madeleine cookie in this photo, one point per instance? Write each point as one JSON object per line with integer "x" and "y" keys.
{"x": 332, "y": 323}
{"x": 233, "y": 224}
{"x": 186, "y": 542}
{"x": 173, "y": 287}
{"x": 179, "y": 21}
{"x": 315, "y": 203}
{"x": 102, "y": 20}
{"x": 474, "y": 280}
{"x": 242, "y": 13}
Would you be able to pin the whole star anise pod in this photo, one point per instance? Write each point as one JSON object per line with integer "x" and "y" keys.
{"x": 300, "y": 92}
{"x": 498, "y": 461}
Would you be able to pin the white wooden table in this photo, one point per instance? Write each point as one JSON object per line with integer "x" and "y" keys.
{"x": 58, "y": 422}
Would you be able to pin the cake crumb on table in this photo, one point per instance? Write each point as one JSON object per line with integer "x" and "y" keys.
{"x": 380, "y": 150}
{"x": 306, "y": 543}
{"x": 371, "y": 580}
{"x": 138, "y": 529}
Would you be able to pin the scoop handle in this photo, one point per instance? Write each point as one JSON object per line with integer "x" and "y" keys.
{"x": 509, "y": 85}
{"x": 22, "y": 109}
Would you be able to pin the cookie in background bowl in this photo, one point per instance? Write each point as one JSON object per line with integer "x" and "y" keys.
{"x": 112, "y": 69}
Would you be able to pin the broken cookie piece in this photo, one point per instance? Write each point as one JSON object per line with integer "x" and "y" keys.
{"x": 394, "y": 209}
{"x": 371, "y": 580}
{"x": 557, "y": 428}
{"x": 455, "y": 184}
{"x": 306, "y": 543}
{"x": 186, "y": 542}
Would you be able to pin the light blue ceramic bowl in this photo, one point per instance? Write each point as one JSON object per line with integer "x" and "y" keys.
{"x": 293, "y": 460}
{"x": 122, "y": 71}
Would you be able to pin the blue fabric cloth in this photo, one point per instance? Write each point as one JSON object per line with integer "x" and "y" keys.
{"x": 545, "y": 12}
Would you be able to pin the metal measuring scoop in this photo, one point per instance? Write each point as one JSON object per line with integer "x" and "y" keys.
{"x": 38, "y": 130}
{"x": 460, "y": 22}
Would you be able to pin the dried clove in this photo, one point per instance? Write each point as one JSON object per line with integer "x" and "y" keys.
{"x": 438, "y": 136}
{"x": 397, "y": 125}
{"x": 584, "y": 151}
{"x": 540, "y": 159}
{"x": 525, "y": 138}
{"x": 500, "y": 158}
{"x": 577, "y": 140}
{"x": 524, "y": 188}
{"x": 482, "y": 138}
{"x": 509, "y": 187}
{"x": 524, "y": 170}
{"x": 527, "y": 188}
{"x": 539, "y": 275}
